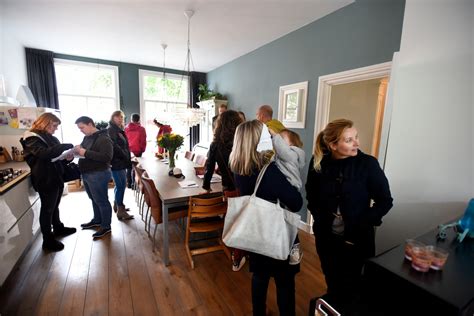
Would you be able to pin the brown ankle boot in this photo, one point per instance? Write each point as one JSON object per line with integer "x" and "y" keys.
{"x": 122, "y": 213}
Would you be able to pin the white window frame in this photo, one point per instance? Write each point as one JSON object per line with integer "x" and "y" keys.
{"x": 142, "y": 73}
{"x": 94, "y": 65}
{"x": 301, "y": 89}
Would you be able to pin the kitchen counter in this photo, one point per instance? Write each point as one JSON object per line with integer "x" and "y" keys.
{"x": 446, "y": 292}
{"x": 19, "y": 218}
{"x": 15, "y": 165}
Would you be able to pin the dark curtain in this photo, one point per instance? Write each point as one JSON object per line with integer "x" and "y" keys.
{"x": 195, "y": 79}
{"x": 42, "y": 77}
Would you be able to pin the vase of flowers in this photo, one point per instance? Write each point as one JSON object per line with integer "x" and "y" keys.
{"x": 171, "y": 142}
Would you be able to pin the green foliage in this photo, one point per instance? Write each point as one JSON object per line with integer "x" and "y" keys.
{"x": 102, "y": 83}
{"x": 157, "y": 88}
{"x": 204, "y": 93}
{"x": 171, "y": 142}
{"x": 101, "y": 124}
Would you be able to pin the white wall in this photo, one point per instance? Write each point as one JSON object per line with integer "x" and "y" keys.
{"x": 472, "y": 87}
{"x": 429, "y": 159}
{"x": 1, "y": 37}
{"x": 13, "y": 42}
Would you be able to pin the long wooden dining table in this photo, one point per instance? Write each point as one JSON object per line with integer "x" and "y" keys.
{"x": 171, "y": 194}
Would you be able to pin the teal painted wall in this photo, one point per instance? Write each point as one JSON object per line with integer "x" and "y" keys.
{"x": 364, "y": 33}
{"x": 128, "y": 80}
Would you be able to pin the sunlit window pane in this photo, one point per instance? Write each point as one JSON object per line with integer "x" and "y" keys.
{"x": 162, "y": 95}
{"x": 85, "y": 89}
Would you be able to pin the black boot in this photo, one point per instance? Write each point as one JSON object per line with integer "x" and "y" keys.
{"x": 62, "y": 231}
{"x": 51, "y": 244}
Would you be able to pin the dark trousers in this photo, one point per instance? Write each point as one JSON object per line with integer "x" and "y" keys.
{"x": 342, "y": 264}
{"x": 130, "y": 177}
{"x": 285, "y": 286}
{"x": 49, "y": 212}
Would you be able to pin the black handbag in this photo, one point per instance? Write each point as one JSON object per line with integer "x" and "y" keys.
{"x": 71, "y": 172}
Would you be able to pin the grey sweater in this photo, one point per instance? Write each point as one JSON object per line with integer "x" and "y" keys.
{"x": 290, "y": 160}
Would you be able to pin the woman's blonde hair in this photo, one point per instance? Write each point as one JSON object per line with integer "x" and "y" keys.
{"x": 43, "y": 121}
{"x": 330, "y": 135}
{"x": 244, "y": 157}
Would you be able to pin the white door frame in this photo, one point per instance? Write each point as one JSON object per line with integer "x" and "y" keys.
{"x": 324, "y": 98}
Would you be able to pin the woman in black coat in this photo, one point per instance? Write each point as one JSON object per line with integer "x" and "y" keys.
{"x": 348, "y": 194}
{"x": 219, "y": 152}
{"x": 220, "y": 149}
{"x": 40, "y": 146}
{"x": 121, "y": 161}
{"x": 246, "y": 163}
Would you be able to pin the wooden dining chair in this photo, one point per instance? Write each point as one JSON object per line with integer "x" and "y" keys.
{"x": 139, "y": 198}
{"x": 200, "y": 160}
{"x": 205, "y": 214}
{"x": 189, "y": 155}
{"x": 154, "y": 207}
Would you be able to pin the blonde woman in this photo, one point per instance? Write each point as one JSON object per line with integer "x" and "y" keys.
{"x": 342, "y": 183}
{"x": 40, "y": 146}
{"x": 245, "y": 163}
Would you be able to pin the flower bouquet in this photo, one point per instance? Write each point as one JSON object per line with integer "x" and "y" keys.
{"x": 170, "y": 142}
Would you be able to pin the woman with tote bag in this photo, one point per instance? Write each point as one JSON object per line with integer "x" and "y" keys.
{"x": 246, "y": 163}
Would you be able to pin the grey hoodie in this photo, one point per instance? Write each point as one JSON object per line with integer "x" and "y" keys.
{"x": 290, "y": 160}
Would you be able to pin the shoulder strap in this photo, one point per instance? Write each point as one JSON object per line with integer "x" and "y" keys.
{"x": 33, "y": 134}
{"x": 260, "y": 176}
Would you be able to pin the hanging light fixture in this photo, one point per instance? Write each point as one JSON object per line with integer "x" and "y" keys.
{"x": 166, "y": 116}
{"x": 189, "y": 116}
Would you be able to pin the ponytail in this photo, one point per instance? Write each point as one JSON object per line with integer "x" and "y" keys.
{"x": 320, "y": 149}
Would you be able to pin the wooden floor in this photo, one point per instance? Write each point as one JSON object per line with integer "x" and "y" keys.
{"x": 121, "y": 275}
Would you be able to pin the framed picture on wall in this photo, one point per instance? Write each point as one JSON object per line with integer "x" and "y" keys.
{"x": 292, "y": 104}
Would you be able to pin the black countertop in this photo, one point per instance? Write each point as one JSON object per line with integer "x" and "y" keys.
{"x": 453, "y": 286}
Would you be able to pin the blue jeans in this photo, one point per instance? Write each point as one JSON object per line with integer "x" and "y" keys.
{"x": 120, "y": 180}
{"x": 96, "y": 184}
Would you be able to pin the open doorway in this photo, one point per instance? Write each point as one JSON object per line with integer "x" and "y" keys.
{"x": 362, "y": 102}
{"x": 358, "y": 95}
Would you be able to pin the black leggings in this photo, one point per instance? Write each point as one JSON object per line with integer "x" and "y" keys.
{"x": 342, "y": 265}
{"x": 49, "y": 213}
{"x": 285, "y": 286}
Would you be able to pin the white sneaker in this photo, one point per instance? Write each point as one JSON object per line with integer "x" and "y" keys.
{"x": 296, "y": 254}
{"x": 236, "y": 266}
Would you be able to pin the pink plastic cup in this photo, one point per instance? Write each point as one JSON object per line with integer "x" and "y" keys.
{"x": 421, "y": 258}
{"x": 409, "y": 244}
{"x": 439, "y": 257}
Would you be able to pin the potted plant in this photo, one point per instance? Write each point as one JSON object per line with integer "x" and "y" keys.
{"x": 204, "y": 93}
{"x": 101, "y": 124}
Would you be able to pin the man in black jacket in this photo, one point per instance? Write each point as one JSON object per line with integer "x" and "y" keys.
{"x": 96, "y": 151}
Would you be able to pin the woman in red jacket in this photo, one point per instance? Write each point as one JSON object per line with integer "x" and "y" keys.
{"x": 136, "y": 136}
{"x": 163, "y": 129}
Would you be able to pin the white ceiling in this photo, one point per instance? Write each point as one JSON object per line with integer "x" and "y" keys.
{"x": 133, "y": 30}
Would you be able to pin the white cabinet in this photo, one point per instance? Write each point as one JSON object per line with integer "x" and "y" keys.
{"x": 19, "y": 223}
{"x": 212, "y": 108}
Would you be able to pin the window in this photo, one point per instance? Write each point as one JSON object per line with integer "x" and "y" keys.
{"x": 159, "y": 96}
{"x": 85, "y": 89}
{"x": 292, "y": 107}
